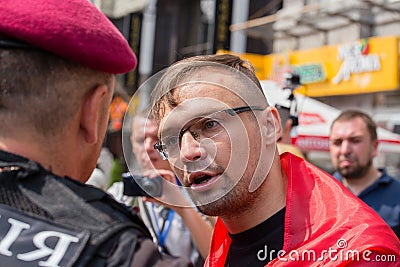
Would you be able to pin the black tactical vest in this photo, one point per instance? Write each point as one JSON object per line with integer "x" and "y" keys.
{"x": 46, "y": 220}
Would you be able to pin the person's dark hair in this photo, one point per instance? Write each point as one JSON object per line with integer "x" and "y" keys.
{"x": 177, "y": 72}
{"x": 41, "y": 91}
{"x": 352, "y": 114}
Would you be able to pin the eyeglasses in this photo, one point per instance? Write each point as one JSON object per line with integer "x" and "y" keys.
{"x": 206, "y": 127}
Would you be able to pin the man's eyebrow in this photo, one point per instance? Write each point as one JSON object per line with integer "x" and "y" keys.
{"x": 333, "y": 140}
{"x": 350, "y": 137}
{"x": 357, "y": 137}
{"x": 203, "y": 114}
{"x": 167, "y": 131}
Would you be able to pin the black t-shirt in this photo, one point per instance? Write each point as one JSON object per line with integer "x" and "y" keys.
{"x": 258, "y": 245}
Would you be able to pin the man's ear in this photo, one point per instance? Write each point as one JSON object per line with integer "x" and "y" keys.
{"x": 271, "y": 122}
{"x": 91, "y": 113}
{"x": 375, "y": 145}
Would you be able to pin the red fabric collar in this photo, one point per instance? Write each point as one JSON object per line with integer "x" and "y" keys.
{"x": 320, "y": 213}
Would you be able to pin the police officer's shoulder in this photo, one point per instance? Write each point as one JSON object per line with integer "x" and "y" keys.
{"x": 103, "y": 201}
{"x": 146, "y": 252}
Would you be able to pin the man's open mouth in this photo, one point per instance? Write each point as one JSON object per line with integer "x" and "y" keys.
{"x": 201, "y": 179}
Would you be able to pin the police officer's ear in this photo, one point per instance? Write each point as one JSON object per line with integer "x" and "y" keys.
{"x": 92, "y": 112}
{"x": 271, "y": 125}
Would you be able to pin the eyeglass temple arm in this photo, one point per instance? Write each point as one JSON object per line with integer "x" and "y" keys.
{"x": 235, "y": 111}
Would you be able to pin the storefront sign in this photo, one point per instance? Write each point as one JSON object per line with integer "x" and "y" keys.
{"x": 355, "y": 59}
{"x": 311, "y": 143}
{"x": 310, "y": 73}
{"x": 365, "y": 66}
{"x": 307, "y": 118}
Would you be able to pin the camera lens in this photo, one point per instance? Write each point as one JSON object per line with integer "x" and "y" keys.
{"x": 153, "y": 187}
{"x": 138, "y": 185}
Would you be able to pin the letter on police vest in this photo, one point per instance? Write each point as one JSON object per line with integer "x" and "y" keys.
{"x": 12, "y": 235}
{"x": 27, "y": 242}
{"x": 56, "y": 254}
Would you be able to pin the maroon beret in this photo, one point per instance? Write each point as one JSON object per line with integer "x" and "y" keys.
{"x": 72, "y": 29}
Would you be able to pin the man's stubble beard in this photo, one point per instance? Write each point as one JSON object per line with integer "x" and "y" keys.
{"x": 238, "y": 199}
{"x": 357, "y": 172}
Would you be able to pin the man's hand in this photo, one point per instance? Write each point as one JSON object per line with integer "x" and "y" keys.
{"x": 172, "y": 196}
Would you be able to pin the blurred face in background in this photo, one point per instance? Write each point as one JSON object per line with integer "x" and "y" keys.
{"x": 351, "y": 148}
{"x": 143, "y": 138}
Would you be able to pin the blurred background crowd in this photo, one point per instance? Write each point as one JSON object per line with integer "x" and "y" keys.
{"x": 344, "y": 54}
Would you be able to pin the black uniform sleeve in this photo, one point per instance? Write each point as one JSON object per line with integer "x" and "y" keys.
{"x": 133, "y": 248}
{"x": 147, "y": 255}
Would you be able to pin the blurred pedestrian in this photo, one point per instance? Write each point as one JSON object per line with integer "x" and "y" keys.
{"x": 179, "y": 231}
{"x": 57, "y": 74}
{"x": 353, "y": 147}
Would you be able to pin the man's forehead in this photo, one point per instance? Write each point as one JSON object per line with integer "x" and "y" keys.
{"x": 204, "y": 91}
{"x": 151, "y": 127}
{"x": 354, "y": 124}
{"x": 219, "y": 84}
{"x": 189, "y": 109}
{"x": 202, "y": 73}
{"x": 142, "y": 125}
{"x": 220, "y": 75}
{"x": 347, "y": 129}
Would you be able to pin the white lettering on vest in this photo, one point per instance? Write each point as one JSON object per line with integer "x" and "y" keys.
{"x": 15, "y": 230}
{"x": 56, "y": 254}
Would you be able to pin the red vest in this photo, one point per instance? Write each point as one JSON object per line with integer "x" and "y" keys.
{"x": 325, "y": 225}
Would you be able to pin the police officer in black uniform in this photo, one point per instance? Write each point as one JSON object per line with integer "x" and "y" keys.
{"x": 58, "y": 61}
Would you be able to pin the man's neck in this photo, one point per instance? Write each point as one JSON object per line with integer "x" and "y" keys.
{"x": 271, "y": 199}
{"x": 358, "y": 185}
{"x": 45, "y": 155}
{"x": 21, "y": 148}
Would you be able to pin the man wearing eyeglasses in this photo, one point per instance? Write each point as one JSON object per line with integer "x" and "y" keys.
{"x": 219, "y": 135}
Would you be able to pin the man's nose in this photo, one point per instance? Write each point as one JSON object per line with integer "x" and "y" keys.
{"x": 190, "y": 148}
{"x": 149, "y": 144}
{"x": 345, "y": 147}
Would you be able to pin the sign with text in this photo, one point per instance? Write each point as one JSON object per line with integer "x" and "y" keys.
{"x": 363, "y": 66}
